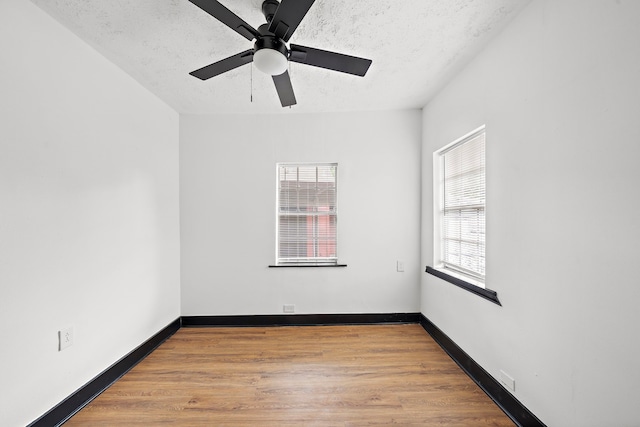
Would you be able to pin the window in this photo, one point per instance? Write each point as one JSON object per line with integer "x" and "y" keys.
{"x": 462, "y": 206}
{"x": 459, "y": 227}
{"x": 307, "y": 214}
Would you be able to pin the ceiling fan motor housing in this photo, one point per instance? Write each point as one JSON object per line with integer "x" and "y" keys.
{"x": 268, "y": 40}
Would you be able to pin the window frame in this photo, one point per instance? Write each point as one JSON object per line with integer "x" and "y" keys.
{"x": 468, "y": 280}
{"x": 331, "y": 261}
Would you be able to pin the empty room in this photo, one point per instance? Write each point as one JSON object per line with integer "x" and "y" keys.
{"x": 327, "y": 213}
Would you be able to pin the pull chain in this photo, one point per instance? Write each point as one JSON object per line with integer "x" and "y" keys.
{"x": 251, "y": 91}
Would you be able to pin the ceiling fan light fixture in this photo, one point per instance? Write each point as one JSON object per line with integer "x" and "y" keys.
{"x": 270, "y": 61}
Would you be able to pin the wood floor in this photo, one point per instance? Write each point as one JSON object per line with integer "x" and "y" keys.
{"x": 365, "y": 375}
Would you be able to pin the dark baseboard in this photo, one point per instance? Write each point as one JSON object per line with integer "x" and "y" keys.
{"x": 300, "y": 319}
{"x": 511, "y": 406}
{"x": 80, "y": 398}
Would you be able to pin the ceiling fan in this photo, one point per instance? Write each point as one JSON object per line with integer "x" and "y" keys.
{"x": 270, "y": 53}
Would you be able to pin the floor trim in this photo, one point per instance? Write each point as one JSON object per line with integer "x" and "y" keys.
{"x": 81, "y": 397}
{"x": 511, "y": 406}
{"x": 299, "y": 319}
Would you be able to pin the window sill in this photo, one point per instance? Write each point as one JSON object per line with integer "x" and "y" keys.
{"x": 487, "y": 294}
{"x": 305, "y": 264}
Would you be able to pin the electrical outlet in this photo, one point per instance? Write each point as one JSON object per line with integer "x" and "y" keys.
{"x": 507, "y": 381}
{"x": 289, "y": 308}
{"x": 400, "y": 266}
{"x": 65, "y": 338}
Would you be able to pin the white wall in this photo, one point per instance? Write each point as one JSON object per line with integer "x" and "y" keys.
{"x": 89, "y": 232}
{"x": 559, "y": 93}
{"x": 227, "y": 197}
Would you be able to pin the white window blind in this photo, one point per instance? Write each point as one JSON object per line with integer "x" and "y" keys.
{"x": 462, "y": 233}
{"x": 307, "y": 213}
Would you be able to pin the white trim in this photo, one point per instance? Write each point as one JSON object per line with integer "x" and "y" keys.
{"x": 461, "y": 140}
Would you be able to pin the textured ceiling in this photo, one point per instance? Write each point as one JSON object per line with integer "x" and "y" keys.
{"x": 416, "y": 46}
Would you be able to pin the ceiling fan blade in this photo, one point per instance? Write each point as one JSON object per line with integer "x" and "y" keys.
{"x": 284, "y": 89}
{"x": 288, "y": 17}
{"x": 228, "y": 18}
{"x": 223, "y": 65}
{"x": 330, "y": 60}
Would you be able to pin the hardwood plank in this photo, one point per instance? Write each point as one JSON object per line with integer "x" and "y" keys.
{"x": 363, "y": 375}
